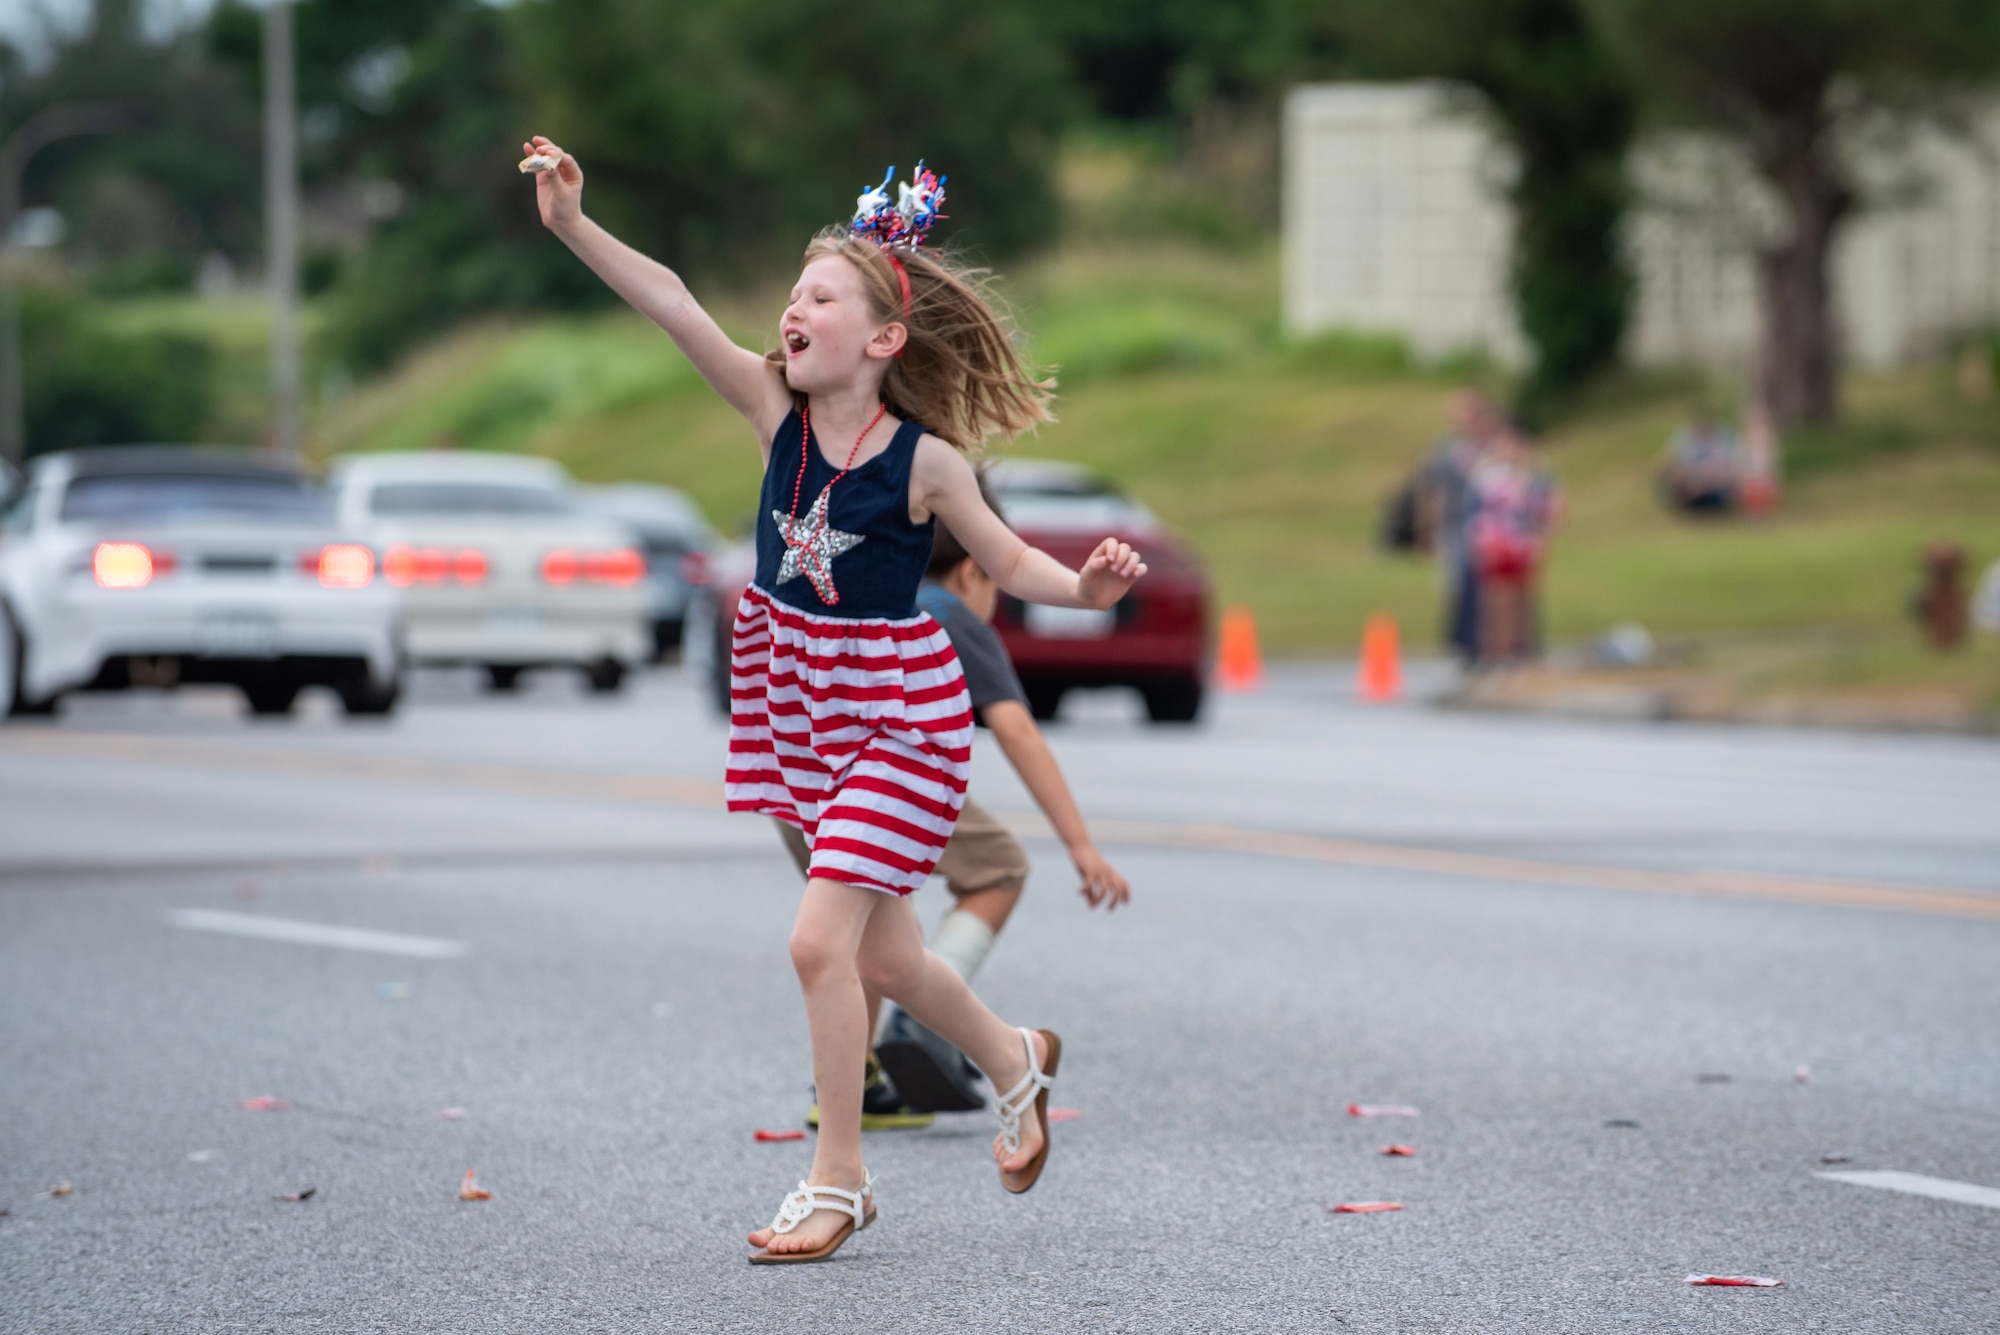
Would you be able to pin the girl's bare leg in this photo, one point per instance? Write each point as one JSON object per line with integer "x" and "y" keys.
{"x": 826, "y": 940}
{"x": 894, "y": 963}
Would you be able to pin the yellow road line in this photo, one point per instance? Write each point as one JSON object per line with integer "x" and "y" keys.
{"x": 537, "y": 781}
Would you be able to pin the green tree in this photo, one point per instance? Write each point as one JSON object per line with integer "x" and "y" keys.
{"x": 728, "y": 131}
{"x": 142, "y": 204}
{"x": 1556, "y": 95}
{"x": 1789, "y": 80}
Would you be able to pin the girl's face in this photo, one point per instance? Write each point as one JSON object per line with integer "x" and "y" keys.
{"x": 831, "y": 335}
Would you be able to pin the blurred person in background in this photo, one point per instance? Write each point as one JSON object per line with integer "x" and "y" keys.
{"x": 1704, "y": 463}
{"x": 983, "y": 864}
{"x": 1445, "y": 507}
{"x": 1516, "y": 503}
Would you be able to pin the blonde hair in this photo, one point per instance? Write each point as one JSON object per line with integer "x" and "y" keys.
{"x": 960, "y": 374}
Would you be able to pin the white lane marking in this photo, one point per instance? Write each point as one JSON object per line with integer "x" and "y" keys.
{"x": 1916, "y": 1184}
{"x": 317, "y": 934}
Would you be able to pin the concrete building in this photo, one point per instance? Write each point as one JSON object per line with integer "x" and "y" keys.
{"x": 1396, "y": 221}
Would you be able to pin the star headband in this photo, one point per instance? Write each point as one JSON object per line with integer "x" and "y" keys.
{"x": 902, "y": 224}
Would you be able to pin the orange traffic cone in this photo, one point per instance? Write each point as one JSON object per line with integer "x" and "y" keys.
{"x": 1238, "y": 664}
{"x": 1381, "y": 676}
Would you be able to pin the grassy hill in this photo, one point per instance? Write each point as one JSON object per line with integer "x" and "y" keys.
{"x": 1275, "y": 458}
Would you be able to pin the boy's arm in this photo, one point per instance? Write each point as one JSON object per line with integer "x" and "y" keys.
{"x": 1014, "y": 728}
{"x": 739, "y": 375}
{"x": 944, "y": 484}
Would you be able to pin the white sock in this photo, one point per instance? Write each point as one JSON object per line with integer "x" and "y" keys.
{"x": 962, "y": 941}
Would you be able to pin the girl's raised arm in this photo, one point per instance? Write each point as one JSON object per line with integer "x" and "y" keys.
{"x": 943, "y": 482}
{"x": 739, "y": 375}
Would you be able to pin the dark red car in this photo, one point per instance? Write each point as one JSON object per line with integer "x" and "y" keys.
{"x": 1155, "y": 640}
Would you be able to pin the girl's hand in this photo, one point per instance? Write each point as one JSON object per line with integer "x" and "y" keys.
{"x": 559, "y": 191}
{"x": 1103, "y": 886}
{"x": 1110, "y": 572}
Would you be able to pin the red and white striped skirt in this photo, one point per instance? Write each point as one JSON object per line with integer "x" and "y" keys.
{"x": 858, "y": 731}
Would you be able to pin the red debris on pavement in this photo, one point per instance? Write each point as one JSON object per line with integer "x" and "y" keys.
{"x": 1399, "y": 1151}
{"x": 1363, "y": 1207}
{"x": 1735, "y": 1281}
{"x": 451, "y": 1114}
{"x": 1803, "y": 1075}
{"x": 265, "y": 1103}
{"x": 765, "y": 1137}
{"x": 470, "y": 1190}
{"x": 1064, "y": 1114}
{"x": 305, "y": 1195}
{"x": 1381, "y": 1110}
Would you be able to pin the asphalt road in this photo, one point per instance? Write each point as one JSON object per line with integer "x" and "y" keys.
{"x": 1554, "y": 939}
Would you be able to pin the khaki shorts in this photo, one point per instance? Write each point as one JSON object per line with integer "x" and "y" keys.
{"x": 983, "y": 854}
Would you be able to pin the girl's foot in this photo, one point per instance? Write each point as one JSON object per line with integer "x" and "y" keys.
{"x": 814, "y": 1228}
{"x": 1031, "y": 1098}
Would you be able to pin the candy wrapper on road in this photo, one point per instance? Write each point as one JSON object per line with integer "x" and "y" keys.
{"x": 470, "y": 1190}
{"x": 1381, "y": 1110}
{"x": 1734, "y": 1281}
{"x": 766, "y": 1137}
{"x": 1363, "y": 1207}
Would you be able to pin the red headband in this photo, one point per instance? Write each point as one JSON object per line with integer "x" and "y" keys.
{"x": 902, "y": 277}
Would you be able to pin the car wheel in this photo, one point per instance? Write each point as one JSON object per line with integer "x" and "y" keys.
{"x": 718, "y": 669}
{"x": 1176, "y": 701}
{"x": 361, "y": 697}
{"x": 503, "y": 676}
{"x": 13, "y": 662}
{"x": 1044, "y": 698}
{"x": 271, "y": 699}
{"x": 606, "y": 676}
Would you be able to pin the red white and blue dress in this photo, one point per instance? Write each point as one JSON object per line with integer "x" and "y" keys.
{"x": 848, "y": 714}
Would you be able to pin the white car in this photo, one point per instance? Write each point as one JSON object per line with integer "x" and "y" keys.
{"x": 677, "y": 540}
{"x": 497, "y": 566}
{"x": 157, "y": 565}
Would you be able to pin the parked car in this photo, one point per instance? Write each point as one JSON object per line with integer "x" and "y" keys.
{"x": 155, "y": 565}
{"x": 497, "y": 566}
{"x": 1155, "y": 639}
{"x": 676, "y": 540}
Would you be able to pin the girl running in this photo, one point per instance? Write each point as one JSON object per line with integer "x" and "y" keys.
{"x": 850, "y": 717}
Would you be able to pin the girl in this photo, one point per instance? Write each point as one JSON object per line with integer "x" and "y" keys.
{"x": 850, "y": 717}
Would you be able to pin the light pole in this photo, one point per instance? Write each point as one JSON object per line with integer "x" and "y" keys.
{"x": 281, "y": 223}
{"x": 62, "y": 121}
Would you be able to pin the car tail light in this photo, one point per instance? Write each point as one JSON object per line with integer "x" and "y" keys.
{"x": 621, "y": 567}
{"x": 399, "y": 566}
{"x": 561, "y": 567}
{"x": 695, "y": 568}
{"x": 403, "y": 566}
{"x": 127, "y": 565}
{"x": 343, "y": 565}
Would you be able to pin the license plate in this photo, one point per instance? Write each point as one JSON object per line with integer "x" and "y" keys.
{"x": 238, "y": 635}
{"x": 1068, "y": 623}
{"x": 513, "y": 621}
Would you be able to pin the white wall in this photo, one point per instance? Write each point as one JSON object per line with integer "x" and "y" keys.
{"x": 1395, "y": 221}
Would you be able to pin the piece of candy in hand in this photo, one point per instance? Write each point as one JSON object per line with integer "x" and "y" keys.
{"x": 541, "y": 162}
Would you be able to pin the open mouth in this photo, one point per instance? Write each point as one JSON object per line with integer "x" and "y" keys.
{"x": 796, "y": 342}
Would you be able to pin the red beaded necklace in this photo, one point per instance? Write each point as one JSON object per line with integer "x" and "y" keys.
{"x": 802, "y": 545}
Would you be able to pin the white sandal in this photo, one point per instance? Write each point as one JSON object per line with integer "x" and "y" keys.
{"x": 1031, "y": 1091}
{"x": 795, "y": 1209}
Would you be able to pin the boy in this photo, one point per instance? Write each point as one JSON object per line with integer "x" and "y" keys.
{"x": 983, "y": 865}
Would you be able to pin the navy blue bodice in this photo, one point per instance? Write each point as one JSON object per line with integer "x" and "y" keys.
{"x": 861, "y": 545}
